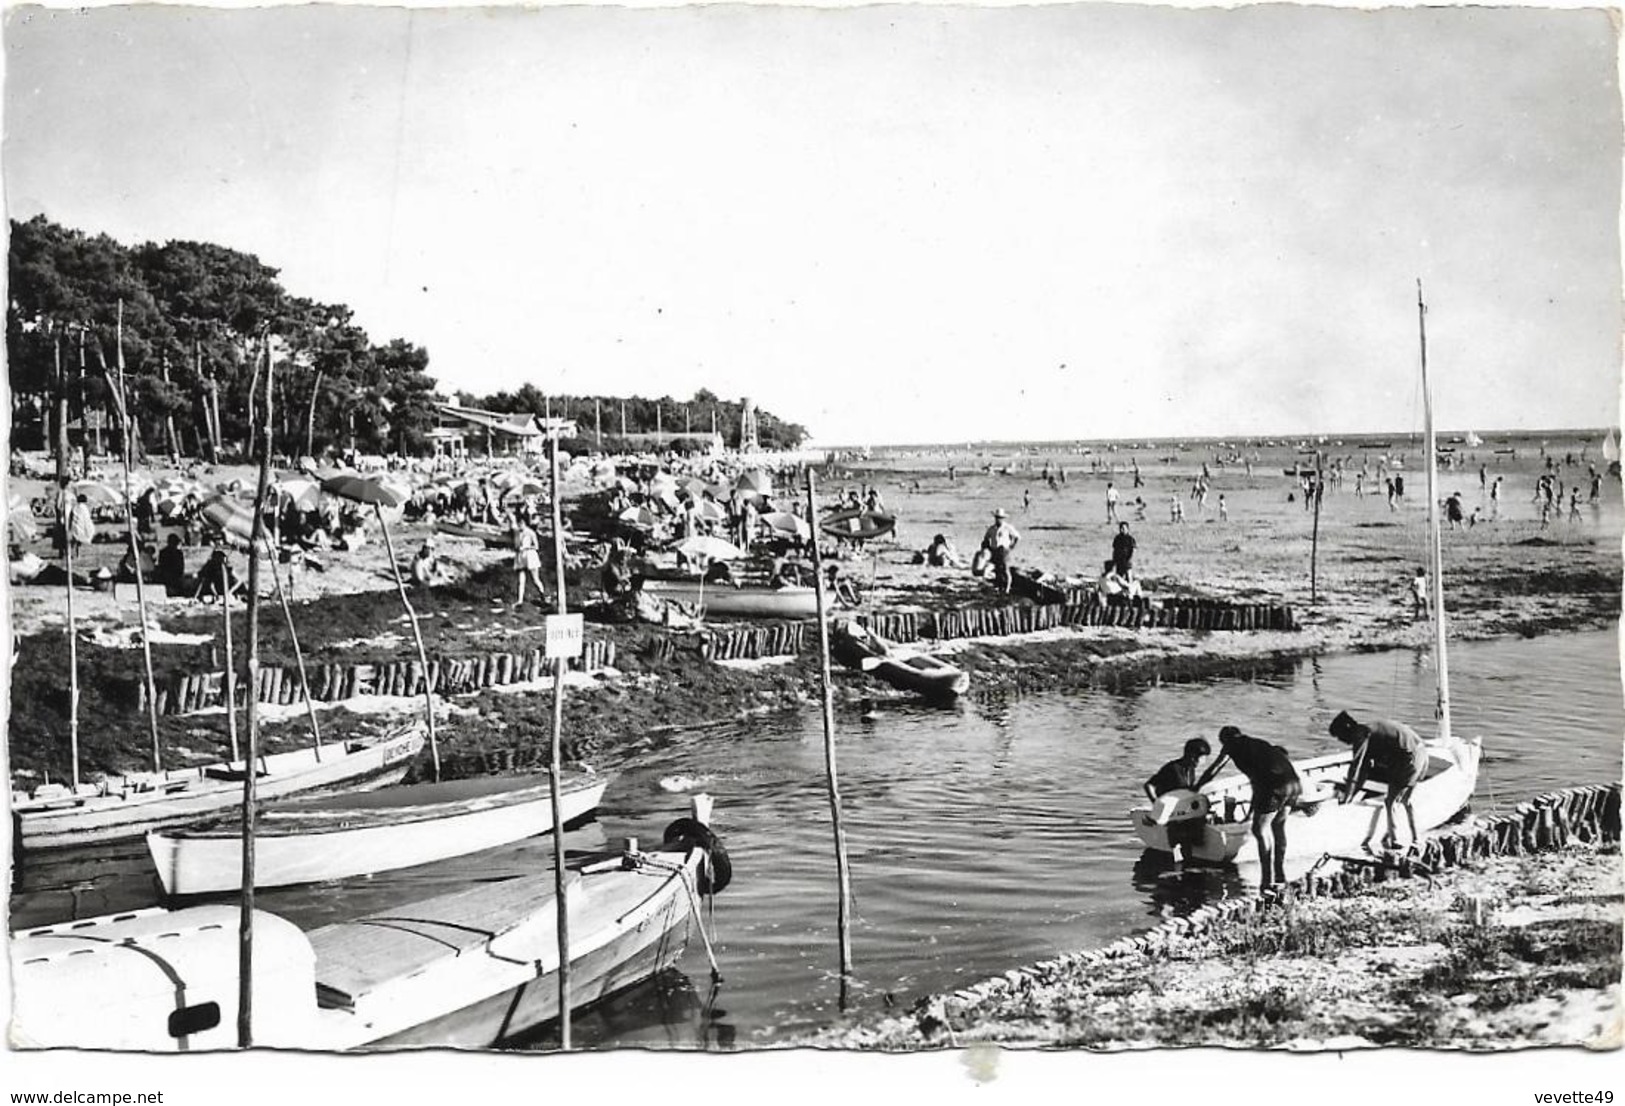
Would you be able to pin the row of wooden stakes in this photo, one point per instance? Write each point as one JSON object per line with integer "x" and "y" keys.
{"x": 185, "y": 693}
{"x": 743, "y": 643}
{"x": 780, "y": 639}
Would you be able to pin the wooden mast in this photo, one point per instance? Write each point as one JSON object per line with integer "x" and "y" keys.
{"x": 1442, "y": 705}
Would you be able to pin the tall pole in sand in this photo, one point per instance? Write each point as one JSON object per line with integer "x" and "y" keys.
{"x": 245, "y": 932}
{"x": 843, "y": 875}
{"x": 1314, "y": 537}
{"x": 64, "y": 509}
{"x": 126, "y": 417}
{"x": 556, "y": 756}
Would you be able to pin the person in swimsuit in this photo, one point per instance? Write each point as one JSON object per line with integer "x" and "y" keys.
{"x": 1275, "y": 788}
{"x": 1384, "y": 752}
{"x": 1179, "y": 774}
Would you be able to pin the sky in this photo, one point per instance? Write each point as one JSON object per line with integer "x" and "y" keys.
{"x": 890, "y": 224}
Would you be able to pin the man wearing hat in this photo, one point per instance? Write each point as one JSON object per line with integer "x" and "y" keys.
{"x": 1000, "y": 541}
{"x": 1384, "y": 752}
{"x": 1275, "y": 788}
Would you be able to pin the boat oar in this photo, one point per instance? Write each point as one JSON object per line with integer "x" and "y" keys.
{"x": 298, "y": 654}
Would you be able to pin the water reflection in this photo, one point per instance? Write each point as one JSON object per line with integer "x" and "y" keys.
{"x": 1173, "y": 891}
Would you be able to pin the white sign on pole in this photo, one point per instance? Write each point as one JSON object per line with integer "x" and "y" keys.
{"x": 564, "y": 635}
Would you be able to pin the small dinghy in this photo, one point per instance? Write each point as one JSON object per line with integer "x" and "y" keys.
{"x": 903, "y": 668}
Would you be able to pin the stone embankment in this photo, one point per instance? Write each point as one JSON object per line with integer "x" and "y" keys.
{"x": 1056, "y": 1000}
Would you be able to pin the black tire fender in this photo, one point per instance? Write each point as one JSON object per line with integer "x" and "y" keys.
{"x": 693, "y": 833}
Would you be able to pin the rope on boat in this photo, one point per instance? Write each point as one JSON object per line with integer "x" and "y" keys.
{"x": 693, "y": 902}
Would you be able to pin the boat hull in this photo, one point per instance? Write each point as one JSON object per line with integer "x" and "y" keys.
{"x": 179, "y": 796}
{"x": 919, "y": 673}
{"x": 490, "y": 535}
{"x": 625, "y": 926}
{"x": 308, "y": 842}
{"x": 640, "y": 952}
{"x": 1326, "y": 826}
{"x": 473, "y": 968}
{"x": 725, "y": 601}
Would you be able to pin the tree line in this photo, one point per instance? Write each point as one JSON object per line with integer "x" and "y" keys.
{"x": 607, "y": 418}
{"x": 171, "y": 340}
{"x": 187, "y": 329}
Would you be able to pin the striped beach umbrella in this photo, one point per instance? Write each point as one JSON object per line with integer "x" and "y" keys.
{"x": 232, "y": 515}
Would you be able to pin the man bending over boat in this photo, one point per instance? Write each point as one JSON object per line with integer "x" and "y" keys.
{"x": 1384, "y": 752}
{"x": 1275, "y": 788}
{"x": 1180, "y": 774}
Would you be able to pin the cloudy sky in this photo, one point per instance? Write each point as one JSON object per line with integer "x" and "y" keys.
{"x": 890, "y": 224}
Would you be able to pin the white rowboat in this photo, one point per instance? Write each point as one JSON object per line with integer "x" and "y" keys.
{"x": 335, "y": 836}
{"x": 725, "y": 600}
{"x": 470, "y": 969}
{"x": 124, "y": 807}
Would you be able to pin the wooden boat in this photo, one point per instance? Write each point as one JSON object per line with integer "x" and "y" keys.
{"x": 906, "y": 669}
{"x": 493, "y": 537}
{"x": 857, "y": 525}
{"x": 1213, "y": 825}
{"x": 311, "y": 840}
{"x": 727, "y": 601}
{"x": 472, "y": 969}
{"x": 123, "y": 807}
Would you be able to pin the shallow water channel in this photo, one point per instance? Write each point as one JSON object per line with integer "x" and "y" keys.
{"x": 982, "y": 837}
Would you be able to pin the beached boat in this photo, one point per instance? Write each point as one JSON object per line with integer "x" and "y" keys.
{"x": 727, "y": 601}
{"x": 310, "y": 840}
{"x": 493, "y": 537}
{"x": 905, "y": 669}
{"x": 129, "y": 806}
{"x": 1213, "y": 825}
{"x": 473, "y": 968}
{"x": 857, "y": 525}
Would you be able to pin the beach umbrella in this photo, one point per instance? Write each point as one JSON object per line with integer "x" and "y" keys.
{"x": 96, "y": 492}
{"x": 304, "y": 493}
{"x": 366, "y": 490}
{"x": 755, "y": 482}
{"x": 638, "y": 516}
{"x": 378, "y": 495}
{"x": 709, "y": 510}
{"x": 785, "y": 522}
{"x": 232, "y": 515}
{"x": 662, "y": 482}
{"x": 526, "y": 486}
{"x": 714, "y": 549}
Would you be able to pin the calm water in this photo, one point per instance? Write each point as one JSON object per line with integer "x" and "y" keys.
{"x": 982, "y": 837}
